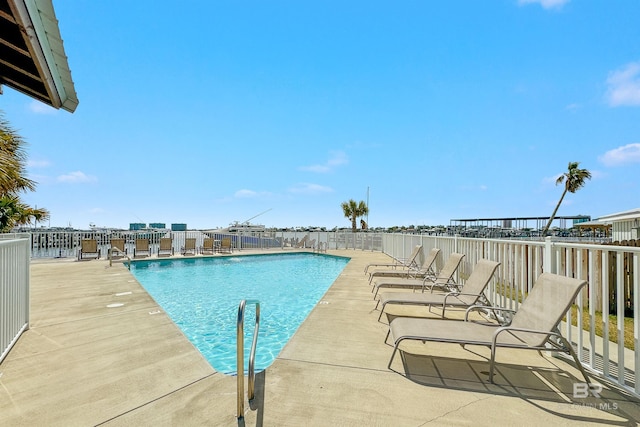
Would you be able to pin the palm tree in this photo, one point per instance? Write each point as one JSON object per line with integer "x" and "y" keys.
{"x": 574, "y": 179}
{"x": 13, "y": 180}
{"x": 353, "y": 211}
{"x": 13, "y": 212}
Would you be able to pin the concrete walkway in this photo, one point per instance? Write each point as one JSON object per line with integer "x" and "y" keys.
{"x": 100, "y": 351}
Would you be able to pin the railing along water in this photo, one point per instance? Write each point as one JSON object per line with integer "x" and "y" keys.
{"x": 240, "y": 355}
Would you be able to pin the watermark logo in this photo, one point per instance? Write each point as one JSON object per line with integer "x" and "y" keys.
{"x": 586, "y": 391}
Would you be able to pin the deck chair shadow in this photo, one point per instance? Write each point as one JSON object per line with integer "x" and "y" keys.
{"x": 208, "y": 246}
{"x": 88, "y": 249}
{"x": 534, "y": 326}
{"x": 426, "y": 271}
{"x": 410, "y": 262}
{"x": 189, "y": 247}
{"x": 471, "y": 293}
{"x": 226, "y": 245}
{"x": 166, "y": 247}
{"x": 142, "y": 248}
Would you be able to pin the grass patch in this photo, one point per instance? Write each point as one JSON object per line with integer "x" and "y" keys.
{"x": 599, "y": 326}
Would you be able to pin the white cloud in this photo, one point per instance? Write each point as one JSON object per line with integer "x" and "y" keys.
{"x": 40, "y": 108}
{"x": 546, "y": 4}
{"x": 38, "y": 164}
{"x": 573, "y": 107}
{"x": 76, "y": 177}
{"x": 245, "y": 194}
{"x": 250, "y": 194}
{"x": 310, "y": 189}
{"x": 629, "y": 153}
{"x": 337, "y": 158}
{"x": 624, "y": 86}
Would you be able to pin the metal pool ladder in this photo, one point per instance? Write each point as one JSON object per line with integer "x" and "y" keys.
{"x": 240, "y": 355}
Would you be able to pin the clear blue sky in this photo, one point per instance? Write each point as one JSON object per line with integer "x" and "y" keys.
{"x": 208, "y": 112}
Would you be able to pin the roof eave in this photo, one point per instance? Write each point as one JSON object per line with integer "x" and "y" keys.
{"x": 42, "y": 35}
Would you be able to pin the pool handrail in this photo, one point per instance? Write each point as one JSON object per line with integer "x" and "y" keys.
{"x": 110, "y": 255}
{"x": 240, "y": 355}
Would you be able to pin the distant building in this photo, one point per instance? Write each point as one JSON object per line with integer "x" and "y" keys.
{"x": 135, "y": 226}
{"x": 178, "y": 227}
{"x": 160, "y": 225}
{"x": 624, "y": 225}
{"x": 581, "y": 218}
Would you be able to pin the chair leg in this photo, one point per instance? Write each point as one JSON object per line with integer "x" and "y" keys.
{"x": 571, "y": 351}
{"x": 395, "y": 348}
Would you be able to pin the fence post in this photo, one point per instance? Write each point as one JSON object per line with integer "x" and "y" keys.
{"x": 548, "y": 260}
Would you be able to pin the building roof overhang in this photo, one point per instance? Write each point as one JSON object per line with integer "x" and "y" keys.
{"x": 32, "y": 56}
{"x": 622, "y": 216}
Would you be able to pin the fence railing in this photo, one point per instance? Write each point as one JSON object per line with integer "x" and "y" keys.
{"x": 607, "y": 338}
{"x": 605, "y": 324}
{"x": 14, "y": 289}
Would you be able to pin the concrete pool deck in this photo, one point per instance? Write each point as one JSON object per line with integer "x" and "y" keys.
{"x": 100, "y": 351}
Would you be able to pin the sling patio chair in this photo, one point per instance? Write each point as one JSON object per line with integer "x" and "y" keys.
{"x": 410, "y": 262}
{"x": 303, "y": 242}
{"x": 226, "y": 245}
{"x": 166, "y": 247}
{"x": 425, "y": 271}
{"x": 189, "y": 247}
{"x": 445, "y": 279}
{"x": 471, "y": 293}
{"x": 141, "y": 249}
{"x": 88, "y": 249}
{"x": 208, "y": 246}
{"x": 534, "y": 326}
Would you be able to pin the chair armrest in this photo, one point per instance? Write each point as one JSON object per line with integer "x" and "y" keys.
{"x": 502, "y": 329}
{"x": 492, "y": 309}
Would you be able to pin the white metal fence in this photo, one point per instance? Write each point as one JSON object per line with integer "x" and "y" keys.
{"x": 14, "y": 289}
{"x": 606, "y": 309}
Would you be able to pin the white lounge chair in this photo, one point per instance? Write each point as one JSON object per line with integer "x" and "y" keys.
{"x": 410, "y": 262}
{"x": 534, "y": 326}
{"x": 471, "y": 293}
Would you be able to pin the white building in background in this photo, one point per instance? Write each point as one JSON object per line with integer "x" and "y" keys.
{"x": 624, "y": 225}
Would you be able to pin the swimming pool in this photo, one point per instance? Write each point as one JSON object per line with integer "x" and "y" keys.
{"x": 201, "y": 295}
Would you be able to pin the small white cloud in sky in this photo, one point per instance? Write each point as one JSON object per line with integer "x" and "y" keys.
{"x": 624, "y": 86}
{"x": 250, "y": 194}
{"x": 546, "y": 4}
{"x": 573, "y": 107}
{"x": 629, "y": 153}
{"x": 310, "y": 189}
{"x": 245, "y": 194}
{"x": 76, "y": 177}
{"x": 337, "y": 158}
{"x": 40, "y": 108}
{"x": 35, "y": 164}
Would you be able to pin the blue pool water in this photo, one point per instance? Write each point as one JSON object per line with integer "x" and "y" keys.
{"x": 201, "y": 295}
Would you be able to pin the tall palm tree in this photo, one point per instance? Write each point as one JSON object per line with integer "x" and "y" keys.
{"x": 353, "y": 211}
{"x": 13, "y": 180}
{"x": 574, "y": 179}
